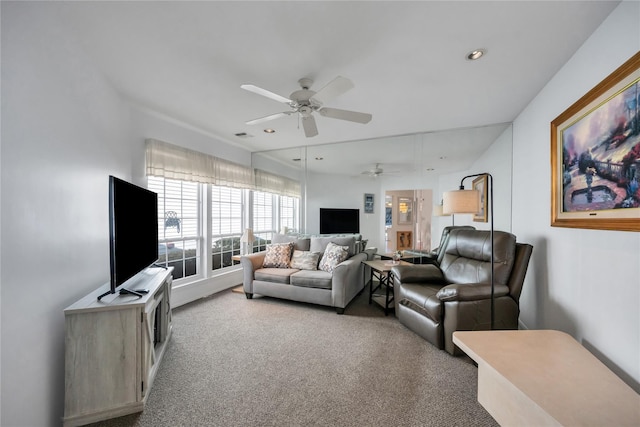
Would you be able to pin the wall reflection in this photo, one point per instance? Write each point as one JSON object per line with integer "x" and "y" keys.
{"x": 339, "y": 175}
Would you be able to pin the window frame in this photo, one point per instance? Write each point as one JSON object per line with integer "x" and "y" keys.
{"x": 204, "y": 239}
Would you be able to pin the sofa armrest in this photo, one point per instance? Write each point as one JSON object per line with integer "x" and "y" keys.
{"x": 471, "y": 292}
{"x": 250, "y": 263}
{"x": 347, "y": 280}
{"x": 419, "y": 273}
{"x": 370, "y": 252}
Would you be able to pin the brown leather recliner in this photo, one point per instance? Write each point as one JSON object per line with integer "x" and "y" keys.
{"x": 436, "y": 255}
{"x": 434, "y": 301}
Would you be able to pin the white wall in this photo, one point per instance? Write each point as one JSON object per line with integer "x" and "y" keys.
{"x": 584, "y": 282}
{"x": 343, "y": 191}
{"x": 497, "y": 161}
{"x": 64, "y": 131}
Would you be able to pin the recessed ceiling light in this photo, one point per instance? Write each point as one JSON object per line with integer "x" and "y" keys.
{"x": 269, "y": 130}
{"x": 476, "y": 54}
{"x": 296, "y": 160}
{"x": 319, "y": 158}
{"x": 430, "y": 169}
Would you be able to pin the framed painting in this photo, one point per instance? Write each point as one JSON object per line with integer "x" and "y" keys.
{"x": 405, "y": 211}
{"x": 480, "y": 185}
{"x": 404, "y": 240}
{"x": 368, "y": 203}
{"x": 595, "y": 156}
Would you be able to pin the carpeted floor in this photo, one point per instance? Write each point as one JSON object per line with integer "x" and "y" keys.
{"x": 268, "y": 362}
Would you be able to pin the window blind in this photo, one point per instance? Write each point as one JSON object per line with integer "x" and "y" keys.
{"x": 175, "y": 162}
{"x": 272, "y": 183}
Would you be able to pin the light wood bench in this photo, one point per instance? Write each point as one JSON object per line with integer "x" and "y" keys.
{"x": 546, "y": 378}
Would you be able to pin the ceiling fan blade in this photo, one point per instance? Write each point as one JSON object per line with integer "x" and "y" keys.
{"x": 268, "y": 94}
{"x": 352, "y": 116}
{"x": 269, "y": 117}
{"x": 309, "y": 125}
{"x": 333, "y": 89}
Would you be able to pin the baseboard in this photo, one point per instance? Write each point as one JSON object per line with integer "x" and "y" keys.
{"x": 189, "y": 292}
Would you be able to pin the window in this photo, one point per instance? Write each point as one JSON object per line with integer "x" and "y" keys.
{"x": 184, "y": 227}
{"x": 263, "y": 219}
{"x": 226, "y": 225}
{"x": 178, "y": 225}
{"x": 288, "y": 213}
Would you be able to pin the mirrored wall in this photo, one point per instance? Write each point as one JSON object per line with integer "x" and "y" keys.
{"x": 361, "y": 173}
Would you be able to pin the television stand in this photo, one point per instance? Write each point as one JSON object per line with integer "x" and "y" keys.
{"x": 114, "y": 347}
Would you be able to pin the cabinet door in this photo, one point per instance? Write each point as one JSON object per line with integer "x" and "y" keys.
{"x": 101, "y": 363}
{"x": 154, "y": 335}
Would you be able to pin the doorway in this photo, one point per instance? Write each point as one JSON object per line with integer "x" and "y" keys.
{"x": 407, "y": 220}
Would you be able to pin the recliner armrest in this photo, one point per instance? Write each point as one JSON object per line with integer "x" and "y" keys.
{"x": 471, "y": 292}
{"x": 427, "y": 273}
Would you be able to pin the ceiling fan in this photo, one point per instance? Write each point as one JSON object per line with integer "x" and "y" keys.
{"x": 376, "y": 171}
{"x": 305, "y": 102}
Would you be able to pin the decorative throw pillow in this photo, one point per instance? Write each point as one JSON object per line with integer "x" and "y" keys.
{"x": 305, "y": 260}
{"x": 333, "y": 256}
{"x": 278, "y": 255}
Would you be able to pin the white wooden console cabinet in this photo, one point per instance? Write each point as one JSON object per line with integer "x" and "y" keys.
{"x": 113, "y": 348}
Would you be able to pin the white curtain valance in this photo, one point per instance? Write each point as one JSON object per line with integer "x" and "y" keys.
{"x": 272, "y": 183}
{"x": 175, "y": 162}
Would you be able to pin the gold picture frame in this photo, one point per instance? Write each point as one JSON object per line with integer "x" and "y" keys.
{"x": 595, "y": 146}
{"x": 480, "y": 185}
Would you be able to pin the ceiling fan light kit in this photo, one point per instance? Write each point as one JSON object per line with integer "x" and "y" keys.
{"x": 305, "y": 102}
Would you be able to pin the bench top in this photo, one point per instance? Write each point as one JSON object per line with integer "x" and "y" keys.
{"x": 546, "y": 376}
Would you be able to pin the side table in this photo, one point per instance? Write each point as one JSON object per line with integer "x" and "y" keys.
{"x": 237, "y": 289}
{"x": 381, "y": 270}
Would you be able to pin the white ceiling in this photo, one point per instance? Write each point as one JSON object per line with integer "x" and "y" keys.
{"x": 407, "y": 60}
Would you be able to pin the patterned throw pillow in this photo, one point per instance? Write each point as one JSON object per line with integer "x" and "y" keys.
{"x": 278, "y": 255}
{"x": 333, "y": 256}
{"x": 305, "y": 260}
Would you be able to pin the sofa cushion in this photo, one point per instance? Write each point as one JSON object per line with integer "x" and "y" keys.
{"x": 311, "y": 279}
{"x": 319, "y": 244}
{"x": 305, "y": 260}
{"x": 301, "y": 243}
{"x": 275, "y": 275}
{"x": 278, "y": 255}
{"x": 333, "y": 255}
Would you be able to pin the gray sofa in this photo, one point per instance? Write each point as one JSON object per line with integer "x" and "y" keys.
{"x": 334, "y": 289}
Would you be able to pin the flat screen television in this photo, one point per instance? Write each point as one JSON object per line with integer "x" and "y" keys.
{"x": 334, "y": 220}
{"x": 133, "y": 232}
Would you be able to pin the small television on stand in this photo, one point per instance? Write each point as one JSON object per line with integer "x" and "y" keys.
{"x": 133, "y": 233}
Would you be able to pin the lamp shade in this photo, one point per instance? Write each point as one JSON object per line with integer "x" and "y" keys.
{"x": 438, "y": 211}
{"x": 461, "y": 201}
{"x": 248, "y": 236}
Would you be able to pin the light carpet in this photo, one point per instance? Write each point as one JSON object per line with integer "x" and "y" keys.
{"x": 269, "y": 362}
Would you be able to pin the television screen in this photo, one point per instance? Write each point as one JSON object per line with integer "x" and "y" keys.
{"x": 334, "y": 221}
{"x": 133, "y": 230}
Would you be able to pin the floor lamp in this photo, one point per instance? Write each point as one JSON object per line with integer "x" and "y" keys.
{"x": 468, "y": 201}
